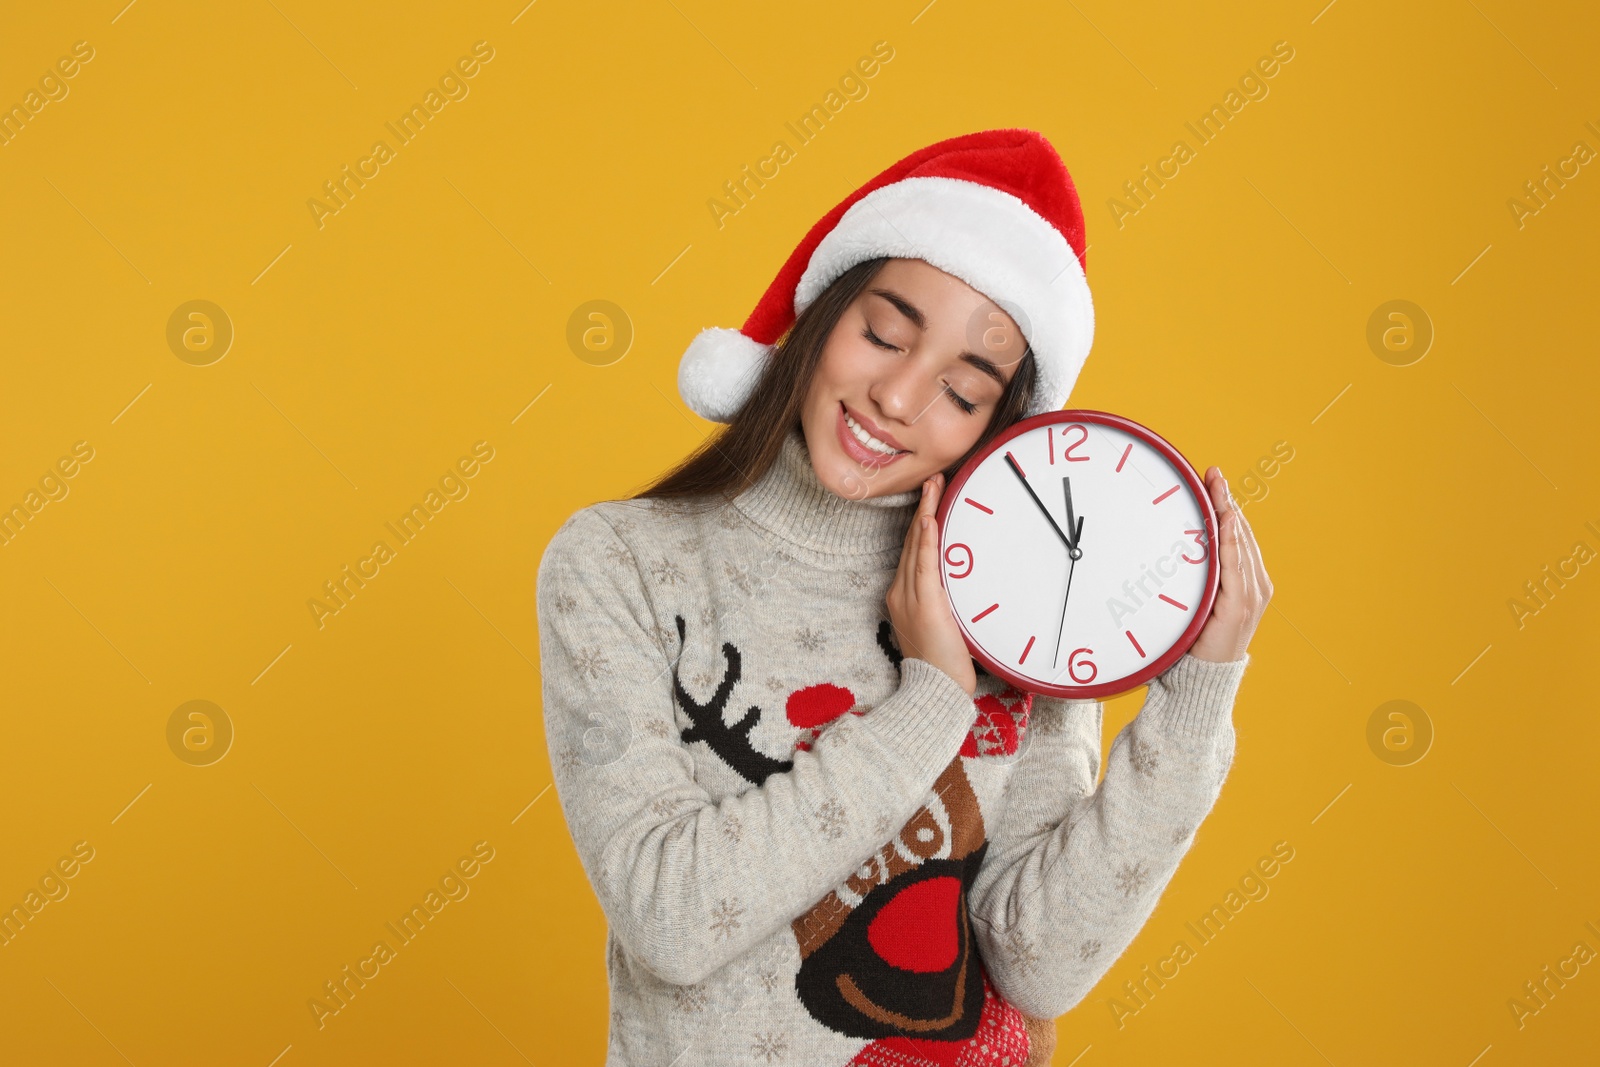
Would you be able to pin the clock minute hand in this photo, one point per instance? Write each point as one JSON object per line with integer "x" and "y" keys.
{"x": 1053, "y": 524}
{"x": 1071, "y": 568}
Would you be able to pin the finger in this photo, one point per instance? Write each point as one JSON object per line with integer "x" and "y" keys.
{"x": 1244, "y": 539}
{"x": 930, "y": 500}
{"x": 927, "y": 556}
{"x": 1252, "y": 550}
{"x": 1230, "y": 555}
{"x": 930, "y": 508}
{"x": 913, "y": 550}
{"x": 929, "y": 589}
{"x": 911, "y": 528}
{"x": 1217, "y": 487}
{"x": 1249, "y": 560}
{"x": 1248, "y": 591}
{"x": 1217, "y": 492}
{"x": 895, "y": 597}
{"x": 911, "y": 534}
{"x": 911, "y": 583}
{"x": 1221, "y": 501}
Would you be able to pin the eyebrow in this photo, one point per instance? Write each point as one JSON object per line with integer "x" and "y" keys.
{"x": 912, "y": 312}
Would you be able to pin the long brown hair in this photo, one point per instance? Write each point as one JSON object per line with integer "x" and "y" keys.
{"x": 736, "y": 457}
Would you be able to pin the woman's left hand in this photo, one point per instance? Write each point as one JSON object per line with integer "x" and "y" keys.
{"x": 1245, "y": 590}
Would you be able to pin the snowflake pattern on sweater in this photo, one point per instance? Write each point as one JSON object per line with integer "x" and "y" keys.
{"x": 890, "y": 951}
{"x": 811, "y": 849}
{"x": 889, "y": 954}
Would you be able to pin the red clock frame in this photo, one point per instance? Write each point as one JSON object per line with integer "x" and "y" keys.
{"x": 952, "y": 493}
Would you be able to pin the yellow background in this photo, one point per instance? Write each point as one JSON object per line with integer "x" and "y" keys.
{"x": 431, "y": 311}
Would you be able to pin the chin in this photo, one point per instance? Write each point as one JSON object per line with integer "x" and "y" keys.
{"x": 841, "y": 477}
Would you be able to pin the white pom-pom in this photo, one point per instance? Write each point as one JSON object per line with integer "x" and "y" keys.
{"x": 718, "y": 371}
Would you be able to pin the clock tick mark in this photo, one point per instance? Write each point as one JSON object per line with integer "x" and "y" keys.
{"x": 1164, "y": 496}
{"x": 1135, "y": 643}
{"x": 1017, "y": 465}
{"x": 984, "y": 612}
{"x": 979, "y": 506}
{"x": 1023, "y": 658}
{"x": 1124, "y": 458}
{"x": 1174, "y": 603}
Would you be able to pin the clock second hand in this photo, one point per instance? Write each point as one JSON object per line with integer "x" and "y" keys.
{"x": 1072, "y": 566}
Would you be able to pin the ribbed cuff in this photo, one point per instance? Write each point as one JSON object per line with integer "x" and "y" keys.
{"x": 927, "y": 718}
{"x": 1197, "y": 695}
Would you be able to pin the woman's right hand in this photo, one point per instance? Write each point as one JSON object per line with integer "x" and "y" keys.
{"x": 919, "y": 608}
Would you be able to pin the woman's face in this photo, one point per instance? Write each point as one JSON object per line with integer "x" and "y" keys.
{"x": 944, "y": 347}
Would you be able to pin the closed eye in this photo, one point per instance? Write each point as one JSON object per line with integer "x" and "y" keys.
{"x": 875, "y": 339}
{"x": 960, "y": 401}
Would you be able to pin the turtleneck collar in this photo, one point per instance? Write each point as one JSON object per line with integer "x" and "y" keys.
{"x": 827, "y": 530}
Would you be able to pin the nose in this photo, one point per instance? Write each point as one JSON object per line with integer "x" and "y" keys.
{"x": 901, "y": 393}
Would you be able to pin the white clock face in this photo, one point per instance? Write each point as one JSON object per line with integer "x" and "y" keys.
{"x": 1143, "y": 571}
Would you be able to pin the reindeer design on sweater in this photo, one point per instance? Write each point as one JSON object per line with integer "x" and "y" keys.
{"x": 889, "y": 954}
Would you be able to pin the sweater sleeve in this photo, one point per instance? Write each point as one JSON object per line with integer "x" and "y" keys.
{"x": 1074, "y": 871}
{"x": 688, "y": 884}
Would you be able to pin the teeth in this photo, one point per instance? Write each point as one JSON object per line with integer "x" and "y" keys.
{"x": 867, "y": 439}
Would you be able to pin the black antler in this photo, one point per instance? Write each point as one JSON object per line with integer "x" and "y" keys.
{"x": 730, "y": 743}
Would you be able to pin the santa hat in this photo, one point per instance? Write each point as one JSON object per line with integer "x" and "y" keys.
{"x": 996, "y": 209}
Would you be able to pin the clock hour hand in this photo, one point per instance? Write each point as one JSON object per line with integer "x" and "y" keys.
{"x": 1069, "y": 542}
{"x": 1066, "y": 488}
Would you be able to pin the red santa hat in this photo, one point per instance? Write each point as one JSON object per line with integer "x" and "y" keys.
{"x": 996, "y": 209}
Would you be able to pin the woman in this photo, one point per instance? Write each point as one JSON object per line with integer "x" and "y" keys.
{"x": 820, "y": 833}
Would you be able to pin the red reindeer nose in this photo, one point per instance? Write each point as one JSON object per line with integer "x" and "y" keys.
{"x": 817, "y": 705}
{"x": 996, "y": 726}
{"x": 917, "y": 930}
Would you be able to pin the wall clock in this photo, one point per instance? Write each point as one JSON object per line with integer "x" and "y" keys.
{"x": 1078, "y": 551}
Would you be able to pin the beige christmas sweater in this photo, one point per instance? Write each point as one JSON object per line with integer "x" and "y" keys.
{"x": 811, "y": 848}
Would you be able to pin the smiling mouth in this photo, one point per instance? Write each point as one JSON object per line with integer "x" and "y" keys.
{"x": 866, "y": 446}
